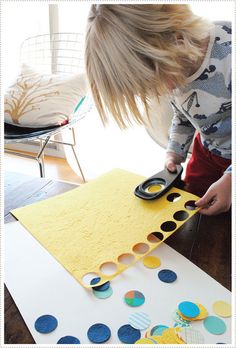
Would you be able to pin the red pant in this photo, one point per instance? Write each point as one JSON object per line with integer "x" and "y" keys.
{"x": 203, "y": 169}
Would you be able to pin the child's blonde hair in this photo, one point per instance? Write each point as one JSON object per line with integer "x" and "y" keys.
{"x": 135, "y": 51}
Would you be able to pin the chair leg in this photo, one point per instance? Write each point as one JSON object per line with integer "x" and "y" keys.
{"x": 41, "y": 168}
{"x": 40, "y": 156}
{"x": 75, "y": 154}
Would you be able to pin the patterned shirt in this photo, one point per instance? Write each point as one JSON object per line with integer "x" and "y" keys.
{"x": 204, "y": 104}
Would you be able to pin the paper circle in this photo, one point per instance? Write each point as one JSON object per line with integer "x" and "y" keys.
{"x": 214, "y": 325}
{"x": 128, "y": 334}
{"x": 134, "y": 298}
{"x": 139, "y": 320}
{"x": 158, "y": 330}
{"x": 45, "y": 324}
{"x": 222, "y": 308}
{"x": 167, "y": 276}
{"x": 102, "y": 287}
{"x": 203, "y": 312}
{"x": 103, "y": 294}
{"x": 170, "y": 336}
{"x": 99, "y": 333}
{"x": 68, "y": 340}
{"x": 151, "y": 261}
{"x": 191, "y": 336}
{"x": 189, "y": 309}
{"x": 178, "y": 319}
{"x": 145, "y": 340}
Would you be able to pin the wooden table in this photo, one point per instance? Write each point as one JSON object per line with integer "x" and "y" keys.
{"x": 206, "y": 241}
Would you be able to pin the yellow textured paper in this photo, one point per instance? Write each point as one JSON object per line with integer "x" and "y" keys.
{"x": 99, "y": 221}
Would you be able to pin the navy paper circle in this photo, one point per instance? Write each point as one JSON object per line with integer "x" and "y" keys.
{"x": 102, "y": 287}
{"x": 68, "y": 340}
{"x": 45, "y": 324}
{"x": 99, "y": 333}
{"x": 167, "y": 276}
{"x": 128, "y": 334}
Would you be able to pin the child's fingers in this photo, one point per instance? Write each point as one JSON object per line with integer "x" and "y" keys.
{"x": 205, "y": 200}
{"x": 171, "y": 166}
{"x": 212, "y": 209}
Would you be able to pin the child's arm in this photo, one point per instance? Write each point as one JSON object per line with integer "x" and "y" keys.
{"x": 180, "y": 138}
{"x": 217, "y": 199}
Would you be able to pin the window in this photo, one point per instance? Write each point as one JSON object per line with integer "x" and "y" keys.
{"x": 20, "y": 20}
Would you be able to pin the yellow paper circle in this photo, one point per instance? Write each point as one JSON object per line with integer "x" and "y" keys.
{"x": 203, "y": 312}
{"x": 170, "y": 336}
{"x": 144, "y": 341}
{"x": 158, "y": 339}
{"x": 151, "y": 261}
{"x": 222, "y": 308}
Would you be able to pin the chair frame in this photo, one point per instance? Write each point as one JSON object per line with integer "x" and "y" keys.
{"x": 50, "y": 52}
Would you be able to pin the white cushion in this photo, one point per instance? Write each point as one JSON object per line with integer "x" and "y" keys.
{"x": 39, "y": 100}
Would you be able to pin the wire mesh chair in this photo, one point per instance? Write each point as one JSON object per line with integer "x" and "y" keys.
{"x": 58, "y": 53}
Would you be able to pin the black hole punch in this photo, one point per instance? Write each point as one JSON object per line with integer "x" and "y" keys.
{"x": 168, "y": 226}
{"x": 190, "y": 205}
{"x": 181, "y": 215}
{"x": 173, "y": 197}
{"x": 155, "y": 237}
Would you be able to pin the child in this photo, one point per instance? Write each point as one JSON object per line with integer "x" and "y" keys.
{"x": 136, "y": 52}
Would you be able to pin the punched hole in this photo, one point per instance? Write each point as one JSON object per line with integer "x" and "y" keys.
{"x": 190, "y": 205}
{"x": 181, "y": 215}
{"x": 88, "y": 277}
{"x": 155, "y": 237}
{"x": 168, "y": 226}
{"x": 126, "y": 259}
{"x": 173, "y": 197}
{"x": 108, "y": 268}
{"x": 141, "y": 248}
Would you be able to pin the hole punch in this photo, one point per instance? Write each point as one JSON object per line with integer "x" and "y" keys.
{"x": 126, "y": 259}
{"x": 155, "y": 237}
{"x": 141, "y": 248}
{"x": 168, "y": 226}
{"x": 153, "y": 188}
{"x": 173, "y": 197}
{"x": 158, "y": 184}
{"x": 108, "y": 268}
{"x": 88, "y": 277}
{"x": 190, "y": 205}
{"x": 181, "y": 215}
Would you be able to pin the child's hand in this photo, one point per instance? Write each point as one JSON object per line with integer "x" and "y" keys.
{"x": 217, "y": 199}
{"x": 171, "y": 160}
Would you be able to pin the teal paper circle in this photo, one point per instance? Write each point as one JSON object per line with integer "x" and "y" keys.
{"x": 214, "y": 325}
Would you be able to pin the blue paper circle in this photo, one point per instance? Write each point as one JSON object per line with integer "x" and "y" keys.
{"x": 99, "y": 333}
{"x": 214, "y": 325}
{"x": 158, "y": 330}
{"x": 167, "y": 276}
{"x": 103, "y": 294}
{"x": 189, "y": 309}
{"x": 68, "y": 340}
{"x": 128, "y": 334}
{"x": 45, "y": 324}
{"x": 102, "y": 287}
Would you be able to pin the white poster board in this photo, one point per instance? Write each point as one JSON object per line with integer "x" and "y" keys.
{"x": 40, "y": 285}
